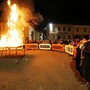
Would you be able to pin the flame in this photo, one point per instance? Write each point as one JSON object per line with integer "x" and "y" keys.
{"x": 13, "y": 36}
{"x": 9, "y": 2}
{"x": 14, "y": 14}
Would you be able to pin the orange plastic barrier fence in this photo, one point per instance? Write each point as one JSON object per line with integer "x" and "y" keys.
{"x": 31, "y": 46}
{"x": 58, "y": 47}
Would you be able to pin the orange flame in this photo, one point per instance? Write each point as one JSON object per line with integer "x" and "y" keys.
{"x": 9, "y": 2}
{"x": 12, "y": 38}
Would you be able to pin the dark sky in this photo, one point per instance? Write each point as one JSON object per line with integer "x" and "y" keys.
{"x": 1, "y": 1}
{"x": 64, "y": 11}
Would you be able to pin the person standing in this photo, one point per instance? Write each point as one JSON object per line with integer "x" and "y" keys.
{"x": 85, "y": 62}
{"x": 78, "y": 52}
{"x": 78, "y": 55}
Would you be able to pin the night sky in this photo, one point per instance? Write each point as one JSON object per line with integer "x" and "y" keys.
{"x": 64, "y": 11}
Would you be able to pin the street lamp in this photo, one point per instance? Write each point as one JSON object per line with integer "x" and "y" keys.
{"x": 51, "y": 27}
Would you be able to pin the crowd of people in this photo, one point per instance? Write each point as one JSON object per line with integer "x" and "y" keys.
{"x": 61, "y": 41}
{"x": 83, "y": 60}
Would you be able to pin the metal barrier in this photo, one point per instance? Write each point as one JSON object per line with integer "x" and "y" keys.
{"x": 8, "y": 51}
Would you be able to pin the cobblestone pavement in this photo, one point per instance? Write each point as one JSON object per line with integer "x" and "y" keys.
{"x": 39, "y": 70}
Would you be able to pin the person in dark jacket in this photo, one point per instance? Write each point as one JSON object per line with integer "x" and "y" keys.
{"x": 85, "y": 62}
{"x": 78, "y": 53}
{"x": 78, "y": 56}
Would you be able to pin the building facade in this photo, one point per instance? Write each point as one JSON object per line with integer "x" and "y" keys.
{"x": 66, "y": 31}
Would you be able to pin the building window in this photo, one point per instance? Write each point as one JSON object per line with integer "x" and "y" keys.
{"x": 84, "y": 29}
{"x": 64, "y": 28}
{"x": 68, "y": 36}
{"x": 77, "y": 29}
{"x": 69, "y": 29}
{"x": 54, "y": 29}
{"x": 59, "y": 28}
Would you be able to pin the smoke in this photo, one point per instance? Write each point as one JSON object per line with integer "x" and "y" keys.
{"x": 27, "y": 13}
